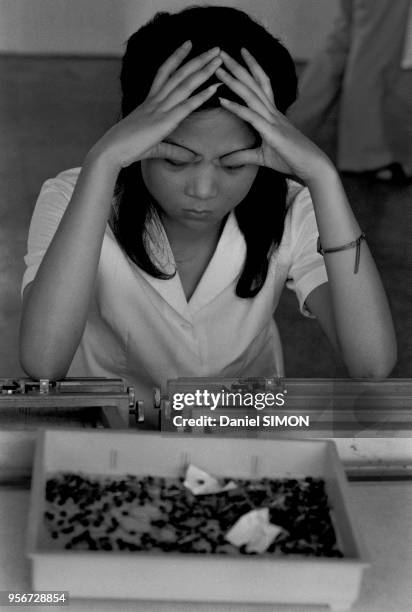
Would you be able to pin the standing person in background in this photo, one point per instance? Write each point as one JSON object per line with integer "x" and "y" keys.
{"x": 360, "y": 67}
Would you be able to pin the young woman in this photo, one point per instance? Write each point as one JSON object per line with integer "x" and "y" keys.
{"x": 166, "y": 254}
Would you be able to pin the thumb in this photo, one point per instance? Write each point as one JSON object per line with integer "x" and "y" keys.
{"x": 166, "y": 150}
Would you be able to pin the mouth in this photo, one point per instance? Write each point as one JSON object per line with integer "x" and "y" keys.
{"x": 193, "y": 212}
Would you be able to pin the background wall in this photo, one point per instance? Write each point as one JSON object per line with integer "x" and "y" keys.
{"x": 100, "y": 27}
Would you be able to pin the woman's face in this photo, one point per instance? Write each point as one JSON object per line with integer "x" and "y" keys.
{"x": 199, "y": 193}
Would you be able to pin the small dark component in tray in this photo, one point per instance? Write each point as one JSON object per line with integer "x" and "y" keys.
{"x": 156, "y": 514}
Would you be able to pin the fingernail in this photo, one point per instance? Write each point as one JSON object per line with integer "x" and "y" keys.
{"x": 214, "y": 50}
{"x": 223, "y": 101}
{"x": 187, "y": 44}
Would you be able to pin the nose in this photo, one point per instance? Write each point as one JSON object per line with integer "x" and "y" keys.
{"x": 202, "y": 183}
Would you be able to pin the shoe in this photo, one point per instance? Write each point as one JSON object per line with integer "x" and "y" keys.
{"x": 392, "y": 174}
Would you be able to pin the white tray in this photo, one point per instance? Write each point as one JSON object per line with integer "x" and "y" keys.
{"x": 173, "y": 576}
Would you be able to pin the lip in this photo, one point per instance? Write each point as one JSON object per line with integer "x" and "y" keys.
{"x": 192, "y": 212}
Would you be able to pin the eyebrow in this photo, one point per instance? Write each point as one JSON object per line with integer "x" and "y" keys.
{"x": 170, "y": 141}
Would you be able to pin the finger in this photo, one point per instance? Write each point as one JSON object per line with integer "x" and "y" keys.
{"x": 182, "y": 110}
{"x": 187, "y": 87}
{"x": 259, "y": 74}
{"x": 246, "y": 77}
{"x": 191, "y": 67}
{"x": 241, "y": 158}
{"x": 243, "y": 91}
{"x": 170, "y": 66}
{"x": 247, "y": 114}
{"x": 167, "y": 150}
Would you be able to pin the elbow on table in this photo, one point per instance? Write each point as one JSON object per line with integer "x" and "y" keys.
{"x": 41, "y": 366}
{"x": 376, "y": 369}
{"x": 42, "y": 372}
{"x": 44, "y": 355}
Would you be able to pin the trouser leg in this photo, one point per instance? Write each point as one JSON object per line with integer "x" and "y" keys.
{"x": 377, "y": 38}
{"x": 320, "y": 83}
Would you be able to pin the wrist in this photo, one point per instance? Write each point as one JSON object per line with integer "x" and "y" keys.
{"x": 101, "y": 157}
{"x": 324, "y": 172}
{"x": 99, "y": 170}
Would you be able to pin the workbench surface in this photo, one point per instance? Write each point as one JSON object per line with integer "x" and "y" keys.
{"x": 383, "y": 512}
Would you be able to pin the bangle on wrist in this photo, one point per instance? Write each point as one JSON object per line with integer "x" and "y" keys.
{"x": 344, "y": 247}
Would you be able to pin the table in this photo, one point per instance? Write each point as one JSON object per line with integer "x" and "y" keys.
{"x": 382, "y": 509}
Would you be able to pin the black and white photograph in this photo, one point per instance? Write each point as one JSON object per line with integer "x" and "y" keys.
{"x": 205, "y": 305}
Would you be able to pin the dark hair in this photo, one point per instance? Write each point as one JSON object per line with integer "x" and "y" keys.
{"x": 261, "y": 213}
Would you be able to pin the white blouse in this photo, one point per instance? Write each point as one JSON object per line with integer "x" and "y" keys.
{"x": 143, "y": 330}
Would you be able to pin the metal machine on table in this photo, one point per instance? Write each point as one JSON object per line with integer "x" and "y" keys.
{"x": 84, "y": 402}
{"x": 103, "y": 402}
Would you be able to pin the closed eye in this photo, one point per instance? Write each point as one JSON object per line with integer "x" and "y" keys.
{"x": 238, "y": 167}
{"x": 176, "y": 163}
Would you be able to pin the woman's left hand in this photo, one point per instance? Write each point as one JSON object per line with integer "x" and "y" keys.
{"x": 283, "y": 147}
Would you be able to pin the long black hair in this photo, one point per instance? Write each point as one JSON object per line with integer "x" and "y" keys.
{"x": 261, "y": 213}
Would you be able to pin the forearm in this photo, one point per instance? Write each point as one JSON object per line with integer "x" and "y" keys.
{"x": 363, "y": 320}
{"x": 56, "y": 307}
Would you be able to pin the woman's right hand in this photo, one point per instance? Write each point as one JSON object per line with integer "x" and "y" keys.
{"x": 139, "y": 134}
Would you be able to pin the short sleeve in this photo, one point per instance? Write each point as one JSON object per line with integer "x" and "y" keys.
{"x": 53, "y": 199}
{"x": 307, "y": 269}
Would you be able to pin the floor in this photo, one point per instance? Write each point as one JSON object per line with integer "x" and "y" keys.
{"x": 53, "y": 109}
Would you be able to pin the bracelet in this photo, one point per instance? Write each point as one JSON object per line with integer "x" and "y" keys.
{"x": 349, "y": 245}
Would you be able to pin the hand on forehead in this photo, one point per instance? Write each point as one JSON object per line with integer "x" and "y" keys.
{"x": 213, "y": 134}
